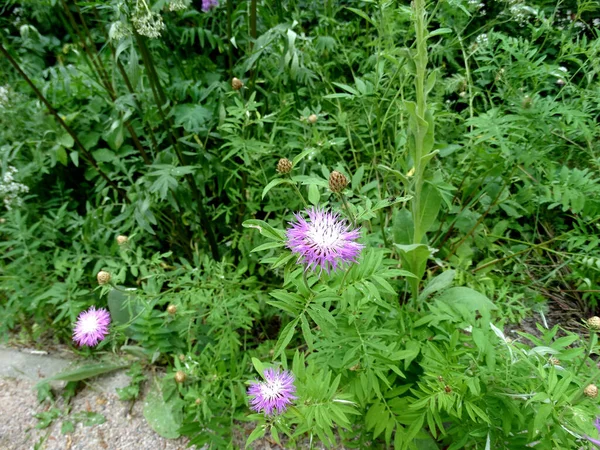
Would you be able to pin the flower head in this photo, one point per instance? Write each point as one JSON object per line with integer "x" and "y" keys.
{"x": 324, "y": 240}
{"x": 91, "y": 327}
{"x": 274, "y": 394}
{"x": 207, "y": 5}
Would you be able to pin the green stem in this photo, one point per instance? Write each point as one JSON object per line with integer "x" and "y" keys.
{"x": 421, "y": 97}
{"x": 347, "y": 207}
{"x": 300, "y": 195}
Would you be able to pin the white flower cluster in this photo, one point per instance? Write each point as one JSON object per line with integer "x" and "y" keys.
{"x": 178, "y": 5}
{"x": 482, "y": 40}
{"x": 520, "y": 12}
{"x": 146, "y": 22}
{"x": 10, "y": 190}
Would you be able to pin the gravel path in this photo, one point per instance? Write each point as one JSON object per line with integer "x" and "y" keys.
{"x": 123, "y": 429}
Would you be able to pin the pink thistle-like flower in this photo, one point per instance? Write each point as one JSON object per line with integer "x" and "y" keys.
{"x": 274, "y": 394}
{"x": 91, "y": 327}
{"x": 324, "y": 241}
{"x": 207, "y": 5}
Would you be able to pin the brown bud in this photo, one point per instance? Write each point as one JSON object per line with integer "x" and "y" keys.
{"x": 554, "y": 361}
{"x": 284, "y": 166}
{"x": 121, "y": 240}
{"x": 180, "y": 376}
{"x": 198, "y": 401}
{"x": 594, "y": 323}
{"x": 182, "y": 357}
{"x": 591, "y": 391}
{"x": 448, "y": 389}
{"x": 172, "y": 309}
{"x": 103, "y": 277}
{"x": 236, "y": 84}
{"x": 337, "y": 181}
{"x": 312, "y": 119}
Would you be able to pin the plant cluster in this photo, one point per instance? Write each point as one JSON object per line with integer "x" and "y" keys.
{"x": 365, "y": 203}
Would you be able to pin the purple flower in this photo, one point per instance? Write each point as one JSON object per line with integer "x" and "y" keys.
{"x": 324, "y": 241}
{"x": 274, "y": 394}
{"x": 207, "y": 5}
{"x": 91, "y": 327}
{"x": 596, "y": 442}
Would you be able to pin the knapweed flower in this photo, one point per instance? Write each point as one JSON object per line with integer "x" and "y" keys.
{"x": 324, "y": 240}
{"x": 207, "y": 5}
{"x": 274, "y": 394}
{"x": 595, "y": 441}
{"x": 91, "y": 327}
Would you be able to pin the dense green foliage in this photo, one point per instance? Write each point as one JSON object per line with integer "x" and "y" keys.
{"x": 468, "y": 133}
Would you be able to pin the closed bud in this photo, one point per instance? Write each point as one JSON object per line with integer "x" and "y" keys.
{"x": 337, "y": 181}
{"x": 103, "y": 277}
{"x": 2, "y": 220}
{"x": 560, "y": 82}
{"x": 527, "y": 102}
{"x": 122, "y": 240}
{"x": 284, "y": 166}
{"x": 180, "y": 376}
{"x": 591, "y": 391}
{"x": 182, "y": 357}
{"x": 312, "y": 119}
{"x": 198, "y": 401}
{"x": 236, "y": 84}
{"x": 172, "y": 309}
{"x": 594, "y": 323}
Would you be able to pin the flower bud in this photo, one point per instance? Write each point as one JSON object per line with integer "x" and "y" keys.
{"x": 560, "y": 82}
{"x": 2, "y": 220}
{"x": 182, "y": 357}
{"x": 121, "y": 240}
{"x": 594, "y": 323}
{"x": 337, "y": 181}
{"x": 312, "y": 119}
{"x": 591, "y": 391}
{"x": 172, "y": 309}
{"x": 284, "y": 166}
{"x": 236, "y": 84}
{"x": 103, "y": 277}
{"x": 198, "y": 401}
{"x": 180, "y": 376}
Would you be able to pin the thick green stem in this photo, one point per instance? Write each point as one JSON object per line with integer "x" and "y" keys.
{"x": 421, "y": 100}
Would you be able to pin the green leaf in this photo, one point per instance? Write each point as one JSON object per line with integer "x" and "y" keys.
{"x": 273, "y": 183}
{"x": 470, "y": 299}
{"x": 285, "y": 337}
{"x": 313, "y": 194}
{"x": 431, "y": 201}
{"x": 258, "y": 432}
{"x": 441, "y": 282}
{"x": 86, "y": 371}
{"x": 267, "y": 246}
{"x": 164, "y": 417}
{"x": 403, "y": 227}
{"x": 61, "y": 156}
{"x": 439, "y": 31}
{"x": 265, "y": 229}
